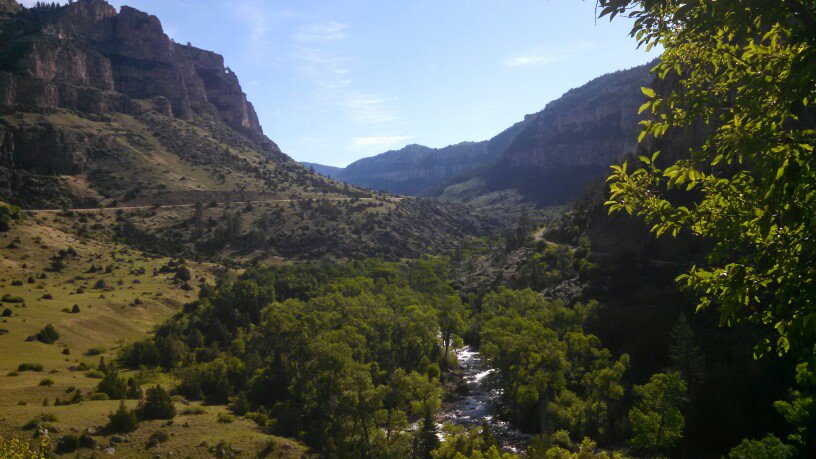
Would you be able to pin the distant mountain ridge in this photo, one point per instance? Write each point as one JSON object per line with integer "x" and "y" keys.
{"x": 415, "y": 169}
{"x": 545, "y": 159}
{"x": 326, "y": 171}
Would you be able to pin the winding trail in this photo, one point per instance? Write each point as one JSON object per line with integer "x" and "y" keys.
{"x": 175, "y": 206}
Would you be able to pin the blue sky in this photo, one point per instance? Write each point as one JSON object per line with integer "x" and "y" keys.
{"x": 334, "y": 81}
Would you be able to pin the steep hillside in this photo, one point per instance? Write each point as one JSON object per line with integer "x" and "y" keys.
{"x": 563, "y": 147}
{"x": 100, "y": 108}
{"x": 97, "y": 295}
{"x": 327, "y": 171}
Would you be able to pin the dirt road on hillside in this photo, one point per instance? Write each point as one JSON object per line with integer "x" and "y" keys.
{"x": 175, "y": 206}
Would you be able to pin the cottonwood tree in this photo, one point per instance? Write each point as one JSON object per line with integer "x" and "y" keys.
{"x": 742, "y": 76}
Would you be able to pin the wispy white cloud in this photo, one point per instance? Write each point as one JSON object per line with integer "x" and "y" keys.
{"x": 368, "y": 109}
{"x": 317, "y": 51}
{"x": 321, "y": 33}
{"x": 545, "y": 55}
{"x": 257, "y": 20}
{"x": 379, "y": 142}
{"x": 256, "y": 17}
{"x": 517, "y": 61}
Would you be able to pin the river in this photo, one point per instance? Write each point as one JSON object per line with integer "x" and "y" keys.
{"x": 481, "y": 402}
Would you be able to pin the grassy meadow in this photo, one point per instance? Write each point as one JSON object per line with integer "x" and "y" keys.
{"x": 98, "y": 295}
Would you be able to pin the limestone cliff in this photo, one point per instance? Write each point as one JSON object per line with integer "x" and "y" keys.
{"x": 71, "y": 67}
{"x": 86, "y": 56}
{"x": 573, "y": 140}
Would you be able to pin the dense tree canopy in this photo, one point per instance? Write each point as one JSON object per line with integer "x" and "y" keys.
{"x": 741, "y": 77}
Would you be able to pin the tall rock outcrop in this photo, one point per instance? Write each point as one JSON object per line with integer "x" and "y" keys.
{"x": 573, "y": 140}
{"x": 86, "y": 56}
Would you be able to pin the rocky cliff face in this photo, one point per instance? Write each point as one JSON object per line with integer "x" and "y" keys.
{"x": 586, "y": 127}
{"x": 101, "y": 108}
{"x": 44, "y": 148}
{"x": 560, "y": 149}
{"x": 573, "y": 140}
{"x": 87, "y": 57}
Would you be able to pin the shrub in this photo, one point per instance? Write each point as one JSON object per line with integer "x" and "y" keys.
{"x": 47, "y": 382}
{"x": 95, "y": 351}
{"x": 94, "y": 374}
{"x": 67, "y": 444}
{"x": 75, "y": 309}
{"x": 258, "y": 418}
{"x": 7, "y": 215}
{"x": 87, "y": 441}
{"x": 40, "y": 421}
{"x": 225, "y": 418}
{"x": 240, "y": 404}
{"x": 48, "y": 296}
{"x": 183, "y": 274}
{"x": 7, "y": 312}
{"x": 48, "y": 335}
{"x": 156, "y": 405}
{"x": 100, "y": 284}
{"x": 117, "y": 388}
{"x": 122, "y": 421}
{"x": 159, "y": 436}
{"x": 30, "y": 367}
{"x": 14, "y": 448}
{"x": 7, "y": 298}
